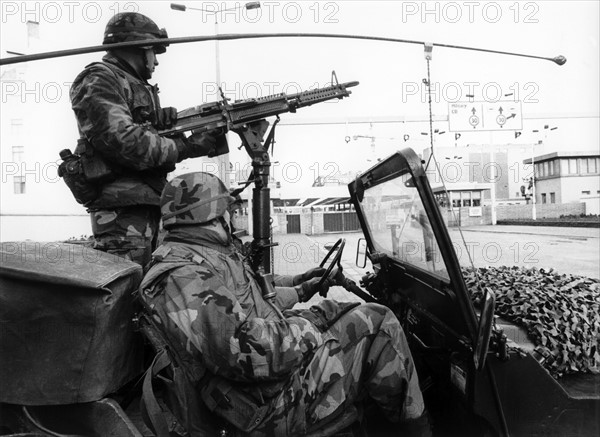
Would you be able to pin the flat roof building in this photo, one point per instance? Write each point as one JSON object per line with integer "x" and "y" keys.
{"x": 563, "y": 177}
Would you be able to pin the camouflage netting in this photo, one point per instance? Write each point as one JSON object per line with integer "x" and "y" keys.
{"x": 560, "y": 312}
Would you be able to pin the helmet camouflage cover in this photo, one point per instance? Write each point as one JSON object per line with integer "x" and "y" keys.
{"x": 133, "y": 26}
{"x": 194, "y": 198}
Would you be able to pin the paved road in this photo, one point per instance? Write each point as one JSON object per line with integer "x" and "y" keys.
{"x": 297, "y": 253}
{"x": 566, "y": 250}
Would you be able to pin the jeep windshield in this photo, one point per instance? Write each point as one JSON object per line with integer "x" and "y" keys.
{"x": 399, "y": 225}
{"x": 402, "y": 219}
{"x": 403, "y": 225}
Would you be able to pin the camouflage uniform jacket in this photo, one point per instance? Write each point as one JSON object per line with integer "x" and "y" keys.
{"x": 115, "y": 109}
{"x": 213, "y": 306}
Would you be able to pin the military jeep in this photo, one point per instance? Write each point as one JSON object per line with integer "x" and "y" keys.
{"x": 480, "y": 374}
{"x": 71, "y": 355}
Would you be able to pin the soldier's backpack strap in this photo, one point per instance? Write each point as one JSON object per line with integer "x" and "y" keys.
{"x": 179, "y": 409}
{"x": 152, "y": 414}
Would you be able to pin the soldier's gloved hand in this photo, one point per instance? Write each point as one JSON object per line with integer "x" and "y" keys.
{"x": 166, "y": 118}
{"x": 309, "y": 274}
{"x": 211, "y": 143}
{"x": 308, "y": 289}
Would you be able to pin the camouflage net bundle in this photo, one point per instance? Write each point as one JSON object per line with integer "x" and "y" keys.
{"x": 559, "y": 312}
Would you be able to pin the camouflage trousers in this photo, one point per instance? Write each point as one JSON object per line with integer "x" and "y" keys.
{"x": 130, "y": 232}
{"x": 368, "y": 356}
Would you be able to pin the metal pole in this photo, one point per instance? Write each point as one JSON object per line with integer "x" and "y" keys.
{"x": 223, "y": 160}
{"x": 533, "y": 211}
{"x": 493, "y": 177}
{"x": 559, "y": 60}
{"x": 217, "y": 54}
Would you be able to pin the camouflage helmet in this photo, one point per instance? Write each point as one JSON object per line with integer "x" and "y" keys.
{"x": 193, "y": 199}
{"x": 133, "y": 26}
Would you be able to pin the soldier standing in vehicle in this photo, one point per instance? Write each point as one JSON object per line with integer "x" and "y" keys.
{"x": 263, "y": 371}
{"x": 118, "y": 114}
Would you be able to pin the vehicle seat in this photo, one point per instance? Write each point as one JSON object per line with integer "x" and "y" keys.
{"x": 65, "y": 321}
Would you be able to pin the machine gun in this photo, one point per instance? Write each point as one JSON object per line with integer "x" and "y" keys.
{"x": 247, "y": 119}
{"x": 233, "y": 116}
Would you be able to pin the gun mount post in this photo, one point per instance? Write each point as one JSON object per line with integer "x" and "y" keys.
{"x": 252, "y": 139}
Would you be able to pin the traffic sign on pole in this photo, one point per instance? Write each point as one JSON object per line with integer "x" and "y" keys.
{"x": 485, "y": 116}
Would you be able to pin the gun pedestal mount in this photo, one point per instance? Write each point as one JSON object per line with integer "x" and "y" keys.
{"x": 252, "y": 139}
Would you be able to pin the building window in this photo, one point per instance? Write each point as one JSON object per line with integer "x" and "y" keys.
{"x": 16, "y": 128}
{"x": 564, "y": 167}
{"x": 546, "y": 172}
{"x": 592, "y": 165}
{"x": 552, "y": 197}
{"x": 19, "y": 184}
{"x": 543, "y": 197}
{"x": 583, "y": 165}
{"x": 17, "y": 153}
{"x": 586, "y": 193}
{"x": 551, "y": 167}
{"x": 466, "y": 198}
{"x": 572, "y": 166}
{"x": 476, "y": 198}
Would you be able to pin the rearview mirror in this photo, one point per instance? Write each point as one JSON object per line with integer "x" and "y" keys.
{"x": 484, "y": 331}
{"x": 361, "y": 253}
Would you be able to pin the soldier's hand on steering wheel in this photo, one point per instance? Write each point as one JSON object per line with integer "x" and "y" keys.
{"x": 309, "y": 274}
{"x": 334, "y": 266}
{"x": 309, "y": 288}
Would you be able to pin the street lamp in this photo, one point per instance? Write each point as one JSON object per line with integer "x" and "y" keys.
{"x": 247, "y": 6}
{"x": 223, "y": 160}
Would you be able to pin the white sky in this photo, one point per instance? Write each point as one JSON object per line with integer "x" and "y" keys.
{"x": 566, "y": 97}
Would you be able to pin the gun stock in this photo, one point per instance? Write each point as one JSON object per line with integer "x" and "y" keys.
{"x": 227, "y": 115}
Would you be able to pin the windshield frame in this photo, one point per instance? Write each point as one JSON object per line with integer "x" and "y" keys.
{"x": 398, "y": 164}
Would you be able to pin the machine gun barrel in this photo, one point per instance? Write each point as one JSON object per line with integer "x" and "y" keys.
{"x": 227, "y": 115}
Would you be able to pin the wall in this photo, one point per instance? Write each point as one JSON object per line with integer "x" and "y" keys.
{"x": 312, "y": 223}
{"x": 592, "y": 204}
{"x": 462, "y": 215}
{"x": 548, "y": 186}
{"x": 573, "y": 186}
{"x": 549, "y": 210}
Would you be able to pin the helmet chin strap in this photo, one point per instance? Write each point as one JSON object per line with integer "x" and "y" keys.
{"x": 224, "y": 223}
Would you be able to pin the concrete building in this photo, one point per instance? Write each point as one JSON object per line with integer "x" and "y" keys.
{"x": 36, "y": 122}
{"x": 479, "y": 164}
{"x": 462, "y": 203}
{"x": 563, "y": 177}
{"x": 568, "y": 177}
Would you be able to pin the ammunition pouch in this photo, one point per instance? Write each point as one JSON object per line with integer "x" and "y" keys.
{"x": 234, "y": 405}
{"x": 95, "y": 168}
{"x": 84, "y": 173}
{"x": 72, "y": 173}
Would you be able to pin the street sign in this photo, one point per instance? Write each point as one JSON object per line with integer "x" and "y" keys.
{"x": 485, "y": 116}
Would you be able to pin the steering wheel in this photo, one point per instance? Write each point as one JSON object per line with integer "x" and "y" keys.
{"x": 339, "y": 246}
